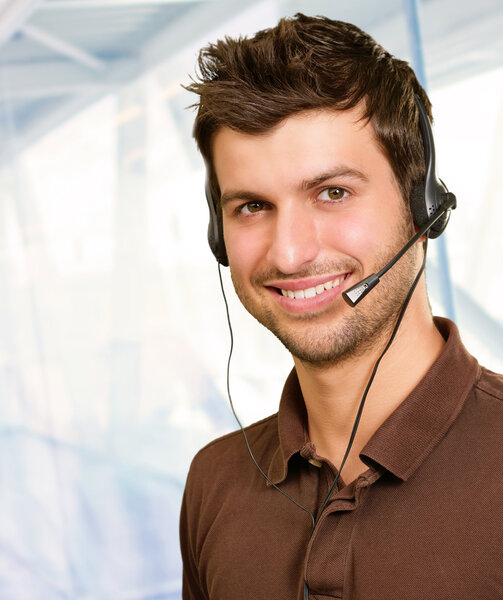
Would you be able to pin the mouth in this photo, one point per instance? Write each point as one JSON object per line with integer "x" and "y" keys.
{"x": 308, "y": 294}
{"x": 313, "y": 291}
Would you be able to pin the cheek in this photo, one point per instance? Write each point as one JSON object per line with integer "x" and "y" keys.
{"x": 245, "y": 248}
{"x": 354, "y": 235}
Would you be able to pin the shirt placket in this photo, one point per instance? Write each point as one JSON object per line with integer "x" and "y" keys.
{"x": 328, "y": 550}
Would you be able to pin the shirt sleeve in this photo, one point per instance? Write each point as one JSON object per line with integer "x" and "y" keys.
{"x": 191, "y": 586}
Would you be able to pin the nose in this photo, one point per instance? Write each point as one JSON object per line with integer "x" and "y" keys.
{"x": 295, "y": 239}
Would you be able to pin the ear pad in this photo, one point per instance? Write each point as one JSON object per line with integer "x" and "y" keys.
{"x": 417, "y": 205}
{"x": 215, "y": 229}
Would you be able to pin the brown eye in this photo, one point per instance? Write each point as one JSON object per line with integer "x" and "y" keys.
{"x": 253, "y": 207}
{"x": 335, "y": 193}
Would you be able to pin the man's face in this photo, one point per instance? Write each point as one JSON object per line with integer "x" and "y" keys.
{"x": 309, "y": 209}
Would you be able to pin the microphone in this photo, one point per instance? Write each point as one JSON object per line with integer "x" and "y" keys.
{"x": 358, "y": 291}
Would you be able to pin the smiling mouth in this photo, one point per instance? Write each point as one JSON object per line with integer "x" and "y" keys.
{"x": 313, "y": 291}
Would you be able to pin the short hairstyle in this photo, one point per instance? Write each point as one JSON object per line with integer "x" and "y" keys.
{"x": 303, "y": 63}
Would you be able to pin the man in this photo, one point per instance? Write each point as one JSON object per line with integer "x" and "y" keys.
{"x": 311, "y": 137}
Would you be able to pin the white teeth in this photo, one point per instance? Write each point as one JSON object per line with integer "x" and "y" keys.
{"x": 313, "y": 291}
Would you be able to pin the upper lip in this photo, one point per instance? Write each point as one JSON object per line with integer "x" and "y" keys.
{"x": 304, "y": 284}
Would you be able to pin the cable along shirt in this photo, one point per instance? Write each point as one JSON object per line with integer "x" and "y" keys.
{"x": 425, "y": 521}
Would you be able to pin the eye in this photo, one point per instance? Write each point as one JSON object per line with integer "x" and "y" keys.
{"x": 251, "y": 207}
{"x": 333, "y": 194}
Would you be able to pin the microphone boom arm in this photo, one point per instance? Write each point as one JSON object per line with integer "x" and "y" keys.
{"x": 358, "y": 291}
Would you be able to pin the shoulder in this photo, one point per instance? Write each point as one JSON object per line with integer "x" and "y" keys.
{"x": 490, "y": 386}
{"x": 484, "y": 407}
{"x": 484, "y": 404}
{"x": 227, "y": 458}
{"x": 256, "y": 430}
{"x": 480, "y": 429}
{"x": 233, "y": 443}
{"x": 222, "y": 475}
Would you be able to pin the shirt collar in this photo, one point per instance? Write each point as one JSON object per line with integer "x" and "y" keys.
{"x": 411, "y": 432}
{"x": 292, "y": 428}
{"x": 408, "y": 436}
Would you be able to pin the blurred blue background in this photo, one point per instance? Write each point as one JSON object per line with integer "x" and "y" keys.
{"x": 113, "y": 342}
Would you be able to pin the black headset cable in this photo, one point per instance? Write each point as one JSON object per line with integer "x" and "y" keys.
{"x": 314, "y": 520}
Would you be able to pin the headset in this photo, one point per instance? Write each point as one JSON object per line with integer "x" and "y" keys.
{"x": 434, "y": 198}
{"x": 430, "y": 206}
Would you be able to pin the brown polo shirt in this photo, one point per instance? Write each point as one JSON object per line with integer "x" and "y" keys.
{"x": 424, "y": 522}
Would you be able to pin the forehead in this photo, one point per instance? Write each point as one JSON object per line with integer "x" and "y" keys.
{"x": 300, "y": 146}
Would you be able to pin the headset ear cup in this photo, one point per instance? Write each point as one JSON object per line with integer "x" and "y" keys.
{"x": 430, "y": 197}
{"x": 420, "y": 212}
{"x": 439, "y": 226}
{"x": 220, "y": 251}
{"x": 215, "y": 229}
{"x": 418, "y": 205}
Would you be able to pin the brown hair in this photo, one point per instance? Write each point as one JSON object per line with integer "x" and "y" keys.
{"x": 304, "y": 63}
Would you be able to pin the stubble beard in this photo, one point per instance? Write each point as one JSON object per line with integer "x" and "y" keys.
{"x": 340, "y": 333}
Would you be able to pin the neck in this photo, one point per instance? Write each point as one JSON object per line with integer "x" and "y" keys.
{"x": 332, "y": 394}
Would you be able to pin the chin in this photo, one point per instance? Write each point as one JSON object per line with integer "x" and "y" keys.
{"x": 326, "y": 347}
{"x": 334, "y": 335}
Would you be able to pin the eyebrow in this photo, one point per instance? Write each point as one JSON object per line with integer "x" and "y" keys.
{"x": 342, "y": 171}
{"x": 306, "y": 184}
{"x": 241, "y": 195}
